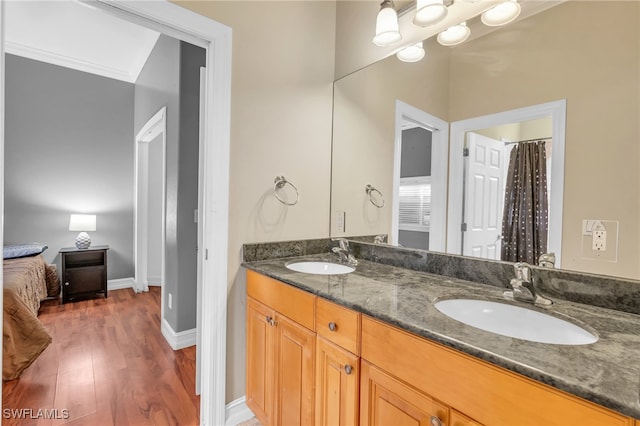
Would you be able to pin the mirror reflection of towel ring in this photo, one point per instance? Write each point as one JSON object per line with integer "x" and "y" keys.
{"x": 279, "y": 183}
{"x": 371, "y": 189}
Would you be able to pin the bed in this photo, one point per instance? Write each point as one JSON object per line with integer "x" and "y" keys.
{"x": 27, "y": 281}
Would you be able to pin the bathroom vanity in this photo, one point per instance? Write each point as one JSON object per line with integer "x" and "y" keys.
{"x": 369, "y": 347}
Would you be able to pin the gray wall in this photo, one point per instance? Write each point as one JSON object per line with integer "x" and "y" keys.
{"x": 416, "y": 153}
{"x": 68, "y": 149}
{"x": 164, "y": 81}
{"x": 191, "y": 59}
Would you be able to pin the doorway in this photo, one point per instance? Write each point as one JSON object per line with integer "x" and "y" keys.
{"x": 150, "y": 190}
{"x": 188, "y": 26}
{"x": 459, "y": 214}
{"x": 424, "y": 188}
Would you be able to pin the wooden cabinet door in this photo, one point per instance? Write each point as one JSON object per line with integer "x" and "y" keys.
{"x": 260, "y": 342}
{"x": 294, "y": 373}
{"x": 337, "y": 382}
{"x": 386, "y": 401}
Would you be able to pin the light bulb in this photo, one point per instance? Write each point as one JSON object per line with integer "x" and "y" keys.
{"x": 454, "y": 35}
{"x": 429, "y": 12}
{"x": 387, "y": 28}
{"x": 411, "y": 53}
{"x": 501, "y": 14}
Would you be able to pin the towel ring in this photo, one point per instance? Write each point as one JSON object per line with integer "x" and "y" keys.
{"x": 369, "y": 189}
{"x": 279, "y": 183}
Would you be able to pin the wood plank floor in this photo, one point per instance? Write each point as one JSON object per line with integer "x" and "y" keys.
{"x": 108, "y": 365}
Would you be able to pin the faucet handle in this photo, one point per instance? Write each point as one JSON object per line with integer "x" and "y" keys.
{"x": 344, "y": 244}
{"x": 547, "y": 260}
{"x": 522, "y": 271}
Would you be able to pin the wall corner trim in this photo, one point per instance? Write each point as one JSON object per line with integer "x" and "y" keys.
{"x": 178, "y": 340}
{"x": 237, "y": 412}
{"x": 119, "y": 284}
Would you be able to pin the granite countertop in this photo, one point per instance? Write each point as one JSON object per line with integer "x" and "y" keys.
{"x": 606, "y": 372}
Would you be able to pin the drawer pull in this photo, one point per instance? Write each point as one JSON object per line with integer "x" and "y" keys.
{"x": 67, "y": 283}
{"x": 348, "y": 369}
{"x": 435, "y": 421}
{"x": 270, "y": 321}
{"x": 332, "y": 326}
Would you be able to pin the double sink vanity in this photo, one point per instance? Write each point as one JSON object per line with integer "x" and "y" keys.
{"x": 406, "y": 336}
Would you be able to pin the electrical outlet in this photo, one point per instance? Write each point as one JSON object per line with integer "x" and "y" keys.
{"x": 599, "y": 242}
{"x": 169, "y": 301}
{"x": 599, "y": 239}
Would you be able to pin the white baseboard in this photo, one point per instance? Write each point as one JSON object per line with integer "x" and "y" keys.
{"x": 119, "y": 284}
{"x": 237, "y": 412}
{"x": 179, "y": 340}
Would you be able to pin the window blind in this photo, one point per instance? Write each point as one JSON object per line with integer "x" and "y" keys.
{"x": 415, "y": 203}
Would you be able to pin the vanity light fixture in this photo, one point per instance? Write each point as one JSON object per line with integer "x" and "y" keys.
{"x": 454, "y": 35}
{"x": 387, "y": 27}
{"x": 429, "y": 12}
{"x": 501, "y": 14}
{"x": 411, "y": 53}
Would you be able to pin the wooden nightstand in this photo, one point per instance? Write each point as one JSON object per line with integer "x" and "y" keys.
{"x": 84, "y": 272}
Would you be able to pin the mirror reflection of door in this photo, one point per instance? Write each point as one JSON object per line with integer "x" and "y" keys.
{"x": 415, "y": 187}
{"x": 486, "y": 165}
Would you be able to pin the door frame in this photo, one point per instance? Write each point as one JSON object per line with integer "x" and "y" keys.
{"x": 558, "y": 112}
{"x": 439, "y": 150}
{"x": 183, "y": 24}
{"x": 156, "y": 126}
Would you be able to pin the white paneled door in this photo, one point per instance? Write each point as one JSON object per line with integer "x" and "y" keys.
{"x": 484, "y": 196}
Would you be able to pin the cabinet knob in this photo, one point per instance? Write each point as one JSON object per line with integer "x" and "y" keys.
{"x": 332, "y": 326}
{"x": 435, "y": 421}
{"x": 270, "y": 320}
{"x": 348, "y": 369}
{"x": 67, "y": 283}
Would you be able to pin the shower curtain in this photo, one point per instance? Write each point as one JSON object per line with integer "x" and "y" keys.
{"x": 525, "y": 215}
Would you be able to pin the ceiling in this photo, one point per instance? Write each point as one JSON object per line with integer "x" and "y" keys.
{"x": 75, "y": 35}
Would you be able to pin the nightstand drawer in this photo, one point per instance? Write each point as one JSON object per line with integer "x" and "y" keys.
{"x": 338, "y": 324}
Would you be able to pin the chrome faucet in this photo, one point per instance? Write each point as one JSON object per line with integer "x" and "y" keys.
{"x": 547, "y": 260}
{"x": 379, "y": 239}
{"x": 344, "y": 252}
{"x": 523, "y": 288}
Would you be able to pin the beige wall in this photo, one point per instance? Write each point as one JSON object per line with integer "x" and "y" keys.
{"x": 281, "y": 101}
{"x": 364, "y": 132}
{"x": 589, "y": 54}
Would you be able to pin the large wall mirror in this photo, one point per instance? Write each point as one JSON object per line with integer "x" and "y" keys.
{"x": 578, "y": 63}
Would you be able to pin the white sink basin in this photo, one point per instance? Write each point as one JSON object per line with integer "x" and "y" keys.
{"x": 515, "y": 321}
{"x": 320, "y": 268}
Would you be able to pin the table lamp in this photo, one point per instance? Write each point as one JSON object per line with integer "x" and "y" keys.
{"x": 82, "y": 223}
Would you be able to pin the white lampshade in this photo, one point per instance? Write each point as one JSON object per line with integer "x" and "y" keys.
{"x": 412, "y": 53}
{"x": 501, "y": 14}
{"x": 454, "y": 35}
{"x": 429, "y": 12}
{"x": 387, "y": 28}
{"x": 82, "y": 222}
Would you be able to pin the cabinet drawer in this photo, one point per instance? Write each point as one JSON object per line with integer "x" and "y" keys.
{"x": 338, "y": 324}
{"x": 291, "y": 302}
{"x": 486, "y": 393}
